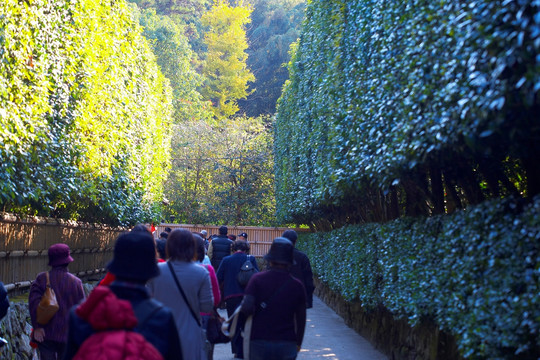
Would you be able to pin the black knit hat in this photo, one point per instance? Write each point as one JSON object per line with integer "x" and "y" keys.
{"x": 134, "y": 257}
{"x": 281, "y": 251}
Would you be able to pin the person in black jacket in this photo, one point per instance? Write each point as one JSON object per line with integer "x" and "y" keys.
{"x": 220, "y": 247}
{"x": 301, "y": 269}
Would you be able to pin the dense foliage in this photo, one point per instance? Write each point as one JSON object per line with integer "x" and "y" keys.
{"x": 224, "y": 68}
{"x": 408, "y": 108}
{"x": 275, "y": 24}
{"x": 84, "y": 112}
{"x": 222, "y": 174}
{"x": 475, "y": 272}
{"x": 174, "y": 57}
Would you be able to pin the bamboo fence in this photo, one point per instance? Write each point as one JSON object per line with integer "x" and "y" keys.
{"x": 24, "y": 243}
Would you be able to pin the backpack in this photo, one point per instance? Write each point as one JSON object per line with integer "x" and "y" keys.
{"x": 246, "y": 272}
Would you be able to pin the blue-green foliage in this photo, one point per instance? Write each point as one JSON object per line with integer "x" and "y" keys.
{"x": 476, "y": 273}
{"x": 380, "y": 89}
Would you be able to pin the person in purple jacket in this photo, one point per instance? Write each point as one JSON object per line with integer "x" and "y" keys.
{"x": 52, "y": 337}
{"x": 277, "y": 302}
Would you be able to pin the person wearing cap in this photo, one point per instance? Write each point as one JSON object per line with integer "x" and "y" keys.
{"x": 52, "y": 337}
{"x": 133, "y": 265}
{"x": 301, "y": 268}
{"x": 242, "y": 236}
{"x": 277, "y": 302}
{"x": 204, "y": 234}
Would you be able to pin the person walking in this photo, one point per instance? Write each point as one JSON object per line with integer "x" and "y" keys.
{"x": 185, "y": 288}
{"x": 52, "y": 337}
{"x": 301, "y": 269}
{"x": 277, "y": 302}
{"x": 233, "y": 292}
{"x": 220, "y": 247}
{"x": 134, "y": 263}
{"x": 201, "y": 250}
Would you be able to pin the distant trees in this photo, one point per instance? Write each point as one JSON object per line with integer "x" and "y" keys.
{"x": 224, "y": 67}
{"x": 222, "y": 174}
{"x": 275, "y": 24}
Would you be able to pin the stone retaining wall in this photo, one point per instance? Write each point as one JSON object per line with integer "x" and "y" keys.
{"x": 395, "y": 338}
{"x": 16, "y": 329}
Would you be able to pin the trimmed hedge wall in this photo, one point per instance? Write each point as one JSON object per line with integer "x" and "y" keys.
{"x": 408, "y": 107}
{"x": 475, "y": 273}
{"x": 85, "y": 113}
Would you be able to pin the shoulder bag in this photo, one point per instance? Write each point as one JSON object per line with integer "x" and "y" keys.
{"x": 48, "y": 305}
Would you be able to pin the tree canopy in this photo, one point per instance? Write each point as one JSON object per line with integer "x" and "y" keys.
{"x": 224, "y": 65}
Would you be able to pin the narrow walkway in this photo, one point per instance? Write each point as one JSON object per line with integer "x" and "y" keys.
{"x": 327, "y": 337}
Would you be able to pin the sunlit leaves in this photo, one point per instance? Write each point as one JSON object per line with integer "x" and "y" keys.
{"x": 224, "y": 67}
{"x": 85, "y": 112}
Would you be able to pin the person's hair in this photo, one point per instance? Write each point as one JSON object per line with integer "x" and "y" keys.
{"x": 232, "y": 237}
{"x": 181, "y": 245}
{"x": 291, "y": 235}
{"x": 168, "y": 229}
{"x": 199, "y": 247}
{"x": 141, "y": 227}
{"x": 241, "y": 245}
{"x": 223, "y": 230}
{"x": 164, "y": 235}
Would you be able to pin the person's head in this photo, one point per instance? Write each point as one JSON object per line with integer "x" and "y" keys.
{"x": 223, "y": 230}
{"x": 291, "y": 235}
{"x": 181, "y": 245}
{"x": 281, "y": 252}
{"x": 59, "y": 255}
{"x": 242, "y": 236}
{"x": 200, "y": 249}
{"x": 204, "y": 233}
{"x": 164, "y": 235}
{"x": 134, "y": 257}
{"x": 241, "y": 245}
{"x": 168, "y": 230}
{"x": 232, "y": 237}
{"x": 141, "y": 227}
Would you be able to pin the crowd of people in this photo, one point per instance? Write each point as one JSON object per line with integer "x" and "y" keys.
{"x": 158, "y": 295}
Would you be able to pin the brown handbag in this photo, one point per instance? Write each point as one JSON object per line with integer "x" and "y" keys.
{"x": 48, "y": 305}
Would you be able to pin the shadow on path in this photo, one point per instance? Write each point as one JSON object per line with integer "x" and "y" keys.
{"x": 327, "y": 337}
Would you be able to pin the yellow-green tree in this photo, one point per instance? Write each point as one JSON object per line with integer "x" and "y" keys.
{"x": 224, "y": 68}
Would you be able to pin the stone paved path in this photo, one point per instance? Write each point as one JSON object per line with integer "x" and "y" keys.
{"x": 327, "y": 337}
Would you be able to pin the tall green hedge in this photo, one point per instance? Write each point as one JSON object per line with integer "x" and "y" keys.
{"x": 476, "y": 273}
{"x": 408, "y": 108}
{"x": 84, "y": 111}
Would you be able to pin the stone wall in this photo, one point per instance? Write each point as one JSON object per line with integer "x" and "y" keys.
{"x": 16, "y": 329}
{"x": 395, "y": 338}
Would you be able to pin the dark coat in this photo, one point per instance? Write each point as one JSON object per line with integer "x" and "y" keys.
{"x": 159, "y": 328}
{"x": 4, "y": 302}
{"x": 302, "y": 271}
{"x": 221, "y": 247}
{"x": 229, "y": 268}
